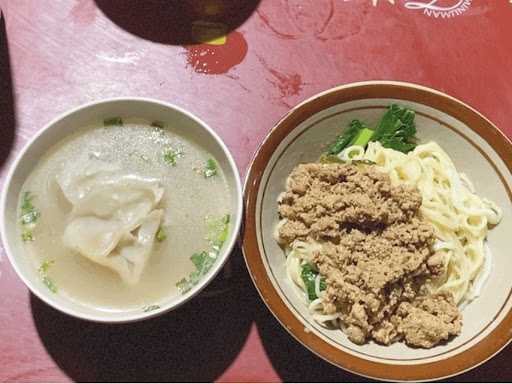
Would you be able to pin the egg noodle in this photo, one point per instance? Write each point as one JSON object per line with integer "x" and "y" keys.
{"x": 460, "y": 219}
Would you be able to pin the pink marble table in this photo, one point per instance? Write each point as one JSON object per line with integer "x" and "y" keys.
{"x": 55, "y": 55}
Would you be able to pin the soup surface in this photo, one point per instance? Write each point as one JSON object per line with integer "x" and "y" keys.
{"x": 195, "y": 199}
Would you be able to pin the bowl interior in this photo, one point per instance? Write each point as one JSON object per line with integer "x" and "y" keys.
{"x": 471, "y": 155}
{"x": 179, "y": 122}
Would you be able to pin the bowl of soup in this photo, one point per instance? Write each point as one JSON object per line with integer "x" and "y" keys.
{"x": 121, "y": 210}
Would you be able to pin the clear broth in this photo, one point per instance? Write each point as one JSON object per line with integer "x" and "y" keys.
{"x": 189, "y": 201}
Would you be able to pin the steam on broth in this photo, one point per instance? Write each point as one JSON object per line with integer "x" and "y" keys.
{"x": 124, "y": 216}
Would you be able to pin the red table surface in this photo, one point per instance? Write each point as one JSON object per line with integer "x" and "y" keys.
{"x": 59, "y": 54}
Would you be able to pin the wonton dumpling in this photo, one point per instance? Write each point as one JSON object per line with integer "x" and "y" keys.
{"x": 113, "y": 221}
{"x": 127, "y": 203}
{"x": 97, "y": 176}
{"x": 92, "y": 237}
{"x": 132, "y": 253}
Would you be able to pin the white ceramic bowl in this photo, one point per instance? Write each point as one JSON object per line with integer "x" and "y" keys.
{"x": 183, "y": 122}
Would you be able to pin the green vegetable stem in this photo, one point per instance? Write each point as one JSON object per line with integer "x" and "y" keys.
{"x": 308, "y": 275}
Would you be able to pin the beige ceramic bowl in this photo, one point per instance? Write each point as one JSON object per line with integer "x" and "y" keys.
{"x": 183, "y": 123}
{"x": 477, "y": 147}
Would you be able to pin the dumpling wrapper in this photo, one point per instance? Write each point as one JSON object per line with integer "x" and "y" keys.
{"x": 126, "y": 253}
{"x": 97, "y": 175}
{"x": 126, "y": 201}
{"x": 107, "y": 207}
{"x": 130, "y": 259}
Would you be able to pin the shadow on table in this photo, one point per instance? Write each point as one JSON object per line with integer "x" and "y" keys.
{"x": 195, "y": 343}
{"x": 178, "y": 22}
{"x": 7, "y": 118}
{"x": 294, "y": 363}
{"x": 291, "y": 360}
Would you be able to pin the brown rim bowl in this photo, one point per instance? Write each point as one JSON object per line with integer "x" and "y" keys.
{"x": 478, "y": 149}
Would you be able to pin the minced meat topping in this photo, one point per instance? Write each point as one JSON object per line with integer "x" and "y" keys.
{"x": 376, "y": 253}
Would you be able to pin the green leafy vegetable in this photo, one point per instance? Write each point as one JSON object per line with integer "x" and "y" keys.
{"x": 161, "y": 235}
{"x": 43, "y": 271}
{"x": 210, "y": 168}
{"x": 343, "y": 140}
{"x": 149, "y": 308}
{"x": 308, "y": 275}
{"x": 396, "y": 129}
{"x": 171, "y": 156}
{"x": 158, "y": 124}
{"x": 203, "y": 261}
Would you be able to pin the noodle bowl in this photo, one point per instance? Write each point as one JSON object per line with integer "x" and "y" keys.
{"x": 459, "y": 217}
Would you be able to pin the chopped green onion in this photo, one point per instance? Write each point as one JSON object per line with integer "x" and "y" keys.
{"x": 29, "y": 216}
{"x": 308, "y": 275}
{"x": 203, "y": 261}
{"x": 363, "y": 137}
{"x": 161, "y": 235}
{"x": 210, "y": 168}
{"x": 27, "y": 235}
{"x": 27, "y": 208}
{"x": 45, "y": 266}
{"x": 112, "y": 121}
{"x": 49, "y": 284}
{"x": 218, "y": 231}
{"x": 171, "y": 156}
{"x": 26, "y": 203}
{"x": 43, "y": 271}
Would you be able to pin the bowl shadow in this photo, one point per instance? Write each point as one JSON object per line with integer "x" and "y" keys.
{"x": 292, "y": 361}
{"x": 194, "y": 343}
{"x": 7, "y": 117}
{"x": 295, "y": 363}
{"x": 177, "y": 22}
